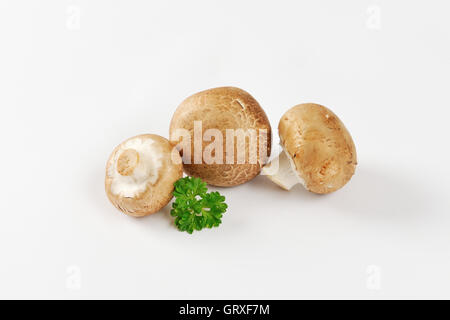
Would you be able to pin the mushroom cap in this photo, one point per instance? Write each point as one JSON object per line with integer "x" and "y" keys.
{"x": 319, "y": 145}
{"x": 142, "y": 194}
{"x": 223, "y": 108}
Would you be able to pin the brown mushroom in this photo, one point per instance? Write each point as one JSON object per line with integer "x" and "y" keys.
{"x": 318, "y": 151}
{"x": 140, "y": 174}
{"x": 241, "y": 132}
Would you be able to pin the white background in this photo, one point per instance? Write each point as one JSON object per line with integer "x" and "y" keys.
{"x": 78, "y": 77}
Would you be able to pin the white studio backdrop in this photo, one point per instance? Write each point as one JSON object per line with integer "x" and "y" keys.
{"x": 78, "y": 77}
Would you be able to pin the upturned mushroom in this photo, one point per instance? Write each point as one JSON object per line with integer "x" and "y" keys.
{"x": 223, "y": 135}
{"x": 318, "y": 151}
{"x": 140, "y": 174}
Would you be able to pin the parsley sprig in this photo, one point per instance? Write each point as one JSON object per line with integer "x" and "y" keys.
{"x": 194, "y": 208}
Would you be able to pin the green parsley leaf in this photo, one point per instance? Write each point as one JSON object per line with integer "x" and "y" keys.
{"x": 194, "y": 208}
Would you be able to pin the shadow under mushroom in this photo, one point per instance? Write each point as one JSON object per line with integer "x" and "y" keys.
{"x": 372, "y": 193}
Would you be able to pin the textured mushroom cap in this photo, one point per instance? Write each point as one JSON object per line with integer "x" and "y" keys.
{"x": 319, "y": 145}
{"x": 155, "y": 195}
{"x": 223, "y": 108}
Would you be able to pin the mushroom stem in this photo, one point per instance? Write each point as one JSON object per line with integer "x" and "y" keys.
{"x": 281, "y": 171}
{"x": 127, "y": 162}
